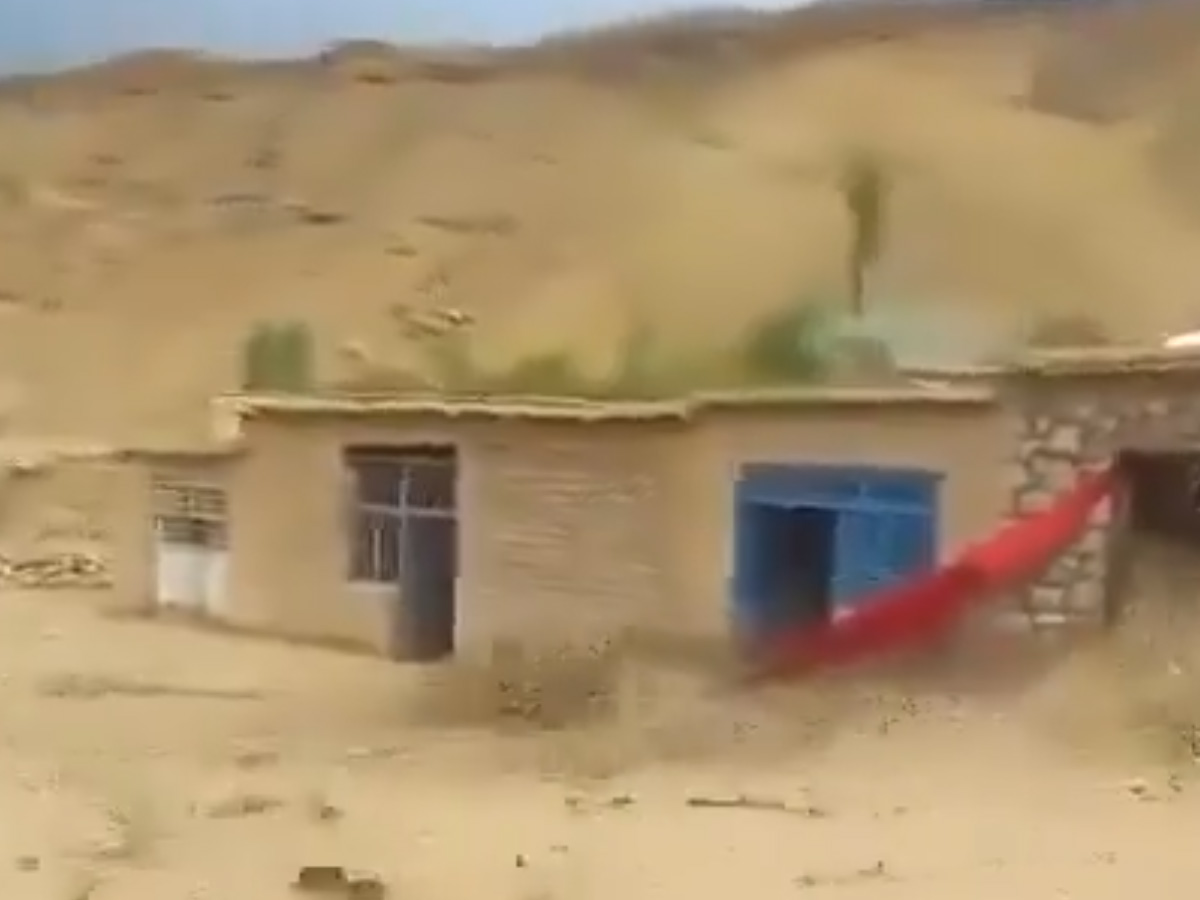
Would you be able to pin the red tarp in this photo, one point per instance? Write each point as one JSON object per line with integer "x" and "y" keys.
{"x": 924, "y": 608}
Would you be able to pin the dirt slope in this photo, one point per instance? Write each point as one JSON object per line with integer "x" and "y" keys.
{"x": 152, "y": 208}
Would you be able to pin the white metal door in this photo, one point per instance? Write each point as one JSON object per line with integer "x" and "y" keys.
{"x": 182, "y": 575}
{"x": 190, "y": 546}
{"x": 216, "y": 569}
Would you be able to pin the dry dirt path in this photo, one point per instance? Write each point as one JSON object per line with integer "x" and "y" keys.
{"x": 141, "y": 761}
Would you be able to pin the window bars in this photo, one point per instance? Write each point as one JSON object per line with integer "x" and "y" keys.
{"x": 190, "y": 514}
{"x": 386, "y": 494}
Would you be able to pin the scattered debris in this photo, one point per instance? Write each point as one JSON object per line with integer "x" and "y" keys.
{"x": 255, "y": 758}
{"x": 496, "y": 224}
{"x": 579, "y": 803}
{"x": 321, "y": 880}
{"x": 125, "y": 837}
{"x": 427, "y": 323}
{"x": 879, "y": 871}
{"x": 241, "y": 805}
{"x": 762, "y": 804}
{"x": 1139, "y": 789}
{"x": 366, "y": 753}
{"x": 1142, "y": 790}
{"x": 81, "y": 686}
{"x": 55, "y": 570}
{"x": 311, "y": 215}
{"x": 333, "y": 881}
{"x": 321, "y": 810}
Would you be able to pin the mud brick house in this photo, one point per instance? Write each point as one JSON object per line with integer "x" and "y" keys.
{"x": 425, "y": 526}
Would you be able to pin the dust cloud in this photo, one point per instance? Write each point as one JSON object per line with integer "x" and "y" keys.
{"x": 146, "y": 760}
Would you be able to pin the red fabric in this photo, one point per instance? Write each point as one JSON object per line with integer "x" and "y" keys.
{"x": 901, "y": 616}
{"x": 1022, "y": 548}
{"x": 925, "y": 608}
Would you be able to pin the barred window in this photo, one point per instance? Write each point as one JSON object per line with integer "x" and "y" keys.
{"x": 375, "y": 546}
{"x": 386, "y": 488}
{"x": 190, "y": 514}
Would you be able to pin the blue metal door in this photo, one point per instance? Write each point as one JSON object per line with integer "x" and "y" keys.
{"x": 858, "y": 566}
{"x": 886, "y": 527}
{"x": 877, "y": 548}
{"x": 745, "y": 568}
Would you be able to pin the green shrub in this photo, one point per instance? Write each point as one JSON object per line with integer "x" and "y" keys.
{"x": 296, "y": 358}
{"x": 795, "y": 344}
{"x": 256, "y": 358}
{"x": 279, "y": 356}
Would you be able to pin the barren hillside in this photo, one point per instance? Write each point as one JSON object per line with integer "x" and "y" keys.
{"x": 682, "y": 174}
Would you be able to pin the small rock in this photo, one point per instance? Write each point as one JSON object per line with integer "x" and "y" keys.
{"x": 238, "y": 806}
{"x": 321, "y": 880}
{"x": 1139, "y": 789}
{"x": 252, "y": 758}
{"x": 359, "y": 754}
{"x": 324, "y": 811}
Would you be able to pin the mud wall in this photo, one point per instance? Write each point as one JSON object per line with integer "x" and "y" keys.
{"x": 561, "y": 530}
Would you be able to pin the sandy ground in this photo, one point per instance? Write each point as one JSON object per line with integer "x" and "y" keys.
{"x": 150, "y": 761}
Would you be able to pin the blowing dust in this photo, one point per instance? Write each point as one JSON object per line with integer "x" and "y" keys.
{"x": 139, "y": 760}
{"x": 1136, "y": 691}
{"x": 1127, "y": 697}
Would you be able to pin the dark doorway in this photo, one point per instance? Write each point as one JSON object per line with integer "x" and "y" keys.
{"x": 427, "y": 587}
{"x": 424, "y": 628}
{"x": 1153, "y": 552}
{"x": 406, "y": 535}
{"x": 1164, "y": 494}
{"x": 788, "y": 565}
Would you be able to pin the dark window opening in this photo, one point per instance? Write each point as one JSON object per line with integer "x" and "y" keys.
{"x": 792, "y": 564}
{"x": 1153, "y": 552}
{"x": 388, "y": 486}
{"x": 190, "y": 514}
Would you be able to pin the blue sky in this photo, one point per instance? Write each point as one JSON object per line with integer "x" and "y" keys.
{"x": 41, "y": 34}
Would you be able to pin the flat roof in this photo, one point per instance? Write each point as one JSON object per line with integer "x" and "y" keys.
{"x": 559, "y": 409}
{"x": 1107, "y": 361}
{"x": 183, "y": 454}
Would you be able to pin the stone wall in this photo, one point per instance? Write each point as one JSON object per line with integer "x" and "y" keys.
{"x": 1073, "y": 421}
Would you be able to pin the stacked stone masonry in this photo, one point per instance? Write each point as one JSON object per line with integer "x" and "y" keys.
{"x": 1068, "y": 426}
